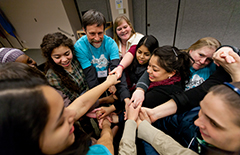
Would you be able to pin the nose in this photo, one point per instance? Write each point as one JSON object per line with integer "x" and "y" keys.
{"x": 149, "y": 70}
{"x": 203, "y": 60}
{"x": 64, "y": 59}
{"x": 97, "y": 38}
{"x": 142, "y": 56}
{"x": 199, "y": 122}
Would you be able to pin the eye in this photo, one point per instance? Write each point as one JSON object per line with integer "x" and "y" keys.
{"x": 29, "y": 61}
{"x": 56, "y": 57}
{"x": 125, "y": 26}
{"x": 61, "y": 122}
{"x": 92, "y": 34}
{"x": 67, "y": 53}
{"x": 201, "y": 55}
{"x": 100, "y": 33}
{"x": 139, "y": 52}
{"x": 119, "y": 29}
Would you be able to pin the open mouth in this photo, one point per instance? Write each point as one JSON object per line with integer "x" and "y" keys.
{"x": 71, "y": 131}
{"x": 66, "y": 64}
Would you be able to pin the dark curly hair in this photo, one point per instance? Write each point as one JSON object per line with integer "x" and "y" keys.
{"x": 172, "y": 59}
{"x": 49, "y": 43}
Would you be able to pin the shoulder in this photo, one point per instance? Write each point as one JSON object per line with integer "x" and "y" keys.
{"x": 108, "y": 39}
{"x": 135, "y": 38}
{"x": 169, "y": 88}
{"x": 50, "y": 73}
{"x": 81, "y": 41}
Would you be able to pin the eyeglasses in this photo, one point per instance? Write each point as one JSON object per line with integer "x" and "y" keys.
{"x": 235, "y": 89}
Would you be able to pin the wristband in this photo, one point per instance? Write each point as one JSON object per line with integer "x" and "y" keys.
{"x": 121, "y": 66}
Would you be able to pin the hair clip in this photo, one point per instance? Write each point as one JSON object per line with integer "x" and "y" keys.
{"x": 175, "y": 52}
{"x": 235, "y": 89}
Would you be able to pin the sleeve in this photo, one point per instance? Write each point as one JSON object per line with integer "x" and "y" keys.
{"x": 162, "y": 143}
{"x": 122, "y": 87}
{"x": 133, "y": 50}
{"x": 127, "y": 144}
{"x": 159, "y": 92}
{"x": 55, "y": 81}
{"x": 98, "y": 149}
{"x": 191, "y": 98}
{"x": 81, "y": 52}
{"x": 144, "y": 81}
{"x": 91, "y": 76}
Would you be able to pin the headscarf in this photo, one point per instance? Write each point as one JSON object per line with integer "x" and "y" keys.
{"x": 9, "y": 54}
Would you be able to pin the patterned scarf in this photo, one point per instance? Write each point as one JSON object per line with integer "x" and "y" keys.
{"x": 169, "y": 81}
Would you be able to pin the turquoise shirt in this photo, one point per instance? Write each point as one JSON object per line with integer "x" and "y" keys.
{"x": 88, "y": 55}
{"x": 199, "y": 76}
{"x": 98, "y": 149}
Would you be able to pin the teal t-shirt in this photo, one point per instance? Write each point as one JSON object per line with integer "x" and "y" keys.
{"x": 98, "y": 149}
{"x": 199, "y": 76}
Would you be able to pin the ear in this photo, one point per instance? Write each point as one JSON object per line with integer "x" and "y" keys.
{"x": 172, "y": 74}
{"x": 84, "y": 30}
{"x": 190, "y": 51}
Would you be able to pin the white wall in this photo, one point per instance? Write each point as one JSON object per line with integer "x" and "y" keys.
{"x": 32, "y": 19}
{"x": 125, "y": 10}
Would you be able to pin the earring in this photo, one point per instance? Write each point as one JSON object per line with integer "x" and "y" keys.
{"x": 169, "y": 77}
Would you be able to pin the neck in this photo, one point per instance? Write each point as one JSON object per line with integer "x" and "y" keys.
{"x": 124, "y": 42}
{"x": 69, "y": 68}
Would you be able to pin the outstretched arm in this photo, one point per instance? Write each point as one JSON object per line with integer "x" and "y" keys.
{"x": 106, "y": 137}
{"x": 83, "y": 103}
{"x": 161, "y": 111}
{"x": 125, "y": 62}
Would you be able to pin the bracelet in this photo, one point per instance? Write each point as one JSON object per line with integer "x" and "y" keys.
{"x": 121, "y": 66}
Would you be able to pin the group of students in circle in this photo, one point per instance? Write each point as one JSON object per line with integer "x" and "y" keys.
{"x": 160, "y": 100}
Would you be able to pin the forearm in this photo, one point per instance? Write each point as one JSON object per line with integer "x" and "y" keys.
{"x": 122, "y": 89}
{"x": 144, "y": 81}
{"x": 163, "y": 143}
{"x": 127, "y": 144}
{"x": 91, "y": 76}
{"x": 83, "y": 103}
{"x": 106, "y": 138}
{"x": 127, "y": 60}
{"x": 164, "y": 110}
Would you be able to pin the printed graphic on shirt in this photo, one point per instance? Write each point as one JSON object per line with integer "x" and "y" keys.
{"x": 101, "y": 63}
{"x": 195, "y": 81}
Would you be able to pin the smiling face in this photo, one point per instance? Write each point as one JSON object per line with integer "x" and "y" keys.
{"x": 62, "y": 56}
{"x": 217, "y": 123}
{"x": 143, "y": 55}
{"x": 202, "y": 56}
{"x": 157, "y": 73}
{"x": 95, "y": 34}
{"x": 58, "y": 132}
{"x": 124, "y": 31}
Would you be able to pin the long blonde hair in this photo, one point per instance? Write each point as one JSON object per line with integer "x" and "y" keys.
{"x": 118, "y": 21}
{"x": 206, "y": 41}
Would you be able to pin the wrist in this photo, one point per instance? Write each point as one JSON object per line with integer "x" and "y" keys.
{"x": 121, "y": 66}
